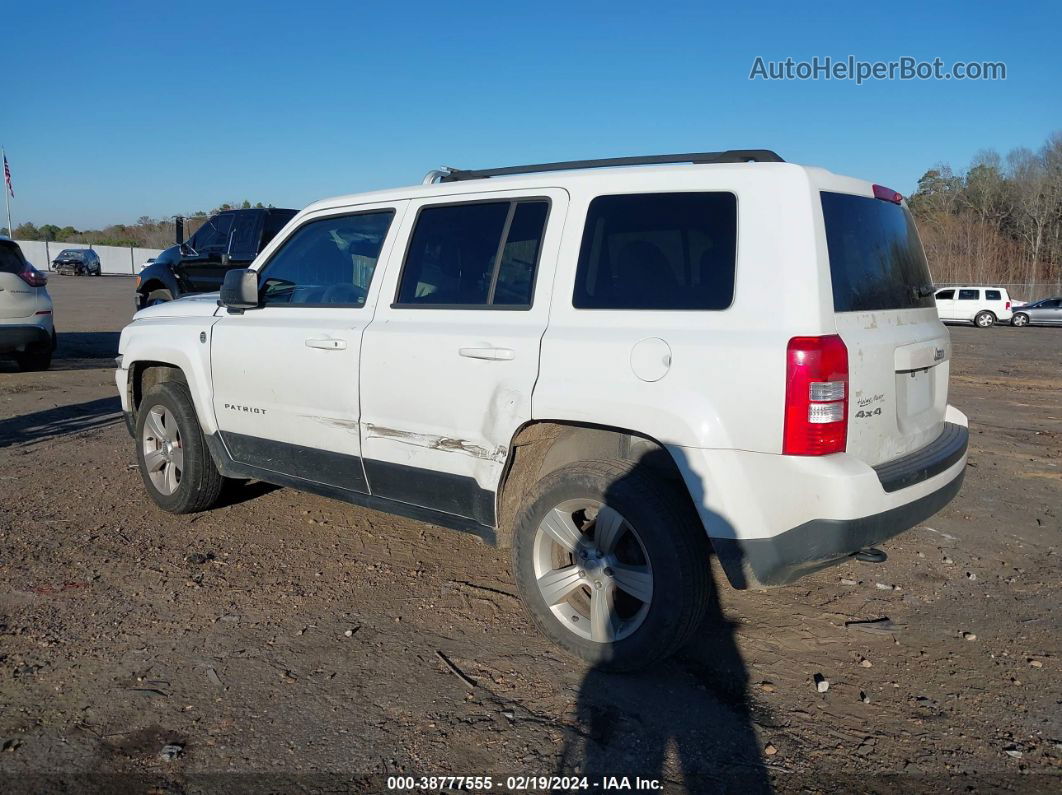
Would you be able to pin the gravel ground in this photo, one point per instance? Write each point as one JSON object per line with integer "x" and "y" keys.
{"x": 284, "y": 642}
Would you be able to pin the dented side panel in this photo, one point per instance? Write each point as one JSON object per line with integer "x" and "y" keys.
{"x": 432, "y": 395}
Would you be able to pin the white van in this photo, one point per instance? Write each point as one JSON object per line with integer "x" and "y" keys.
{"x": 982, "y": 306}
{"x": 574, "y": 360}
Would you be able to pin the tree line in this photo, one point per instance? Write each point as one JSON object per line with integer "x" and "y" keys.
{"x": 998, "y": 222}
{"x": 145, "y": 233}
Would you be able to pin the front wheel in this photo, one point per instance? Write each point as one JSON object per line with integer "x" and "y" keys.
{"x": 158, "y": 297}
{"x": 984, "y": 319}
{"x": 611, "y": 562}
{"x": 175, "y": 465}
{"x": 1020, "y": 319}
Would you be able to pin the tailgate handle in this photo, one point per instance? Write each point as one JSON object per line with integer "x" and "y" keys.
{"x": 920, "y": 356}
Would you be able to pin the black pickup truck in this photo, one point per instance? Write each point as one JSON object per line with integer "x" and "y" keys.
{"x": 230, "y": 239}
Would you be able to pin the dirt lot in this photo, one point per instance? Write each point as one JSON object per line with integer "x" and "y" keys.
{"x": 286, "y": 642}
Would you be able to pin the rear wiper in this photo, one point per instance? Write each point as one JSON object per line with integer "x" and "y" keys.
{"x": 924, "y": 290}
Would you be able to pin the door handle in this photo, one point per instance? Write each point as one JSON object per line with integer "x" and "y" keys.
{"x": 327, "y": 344}
{"x": 490, "y": 354}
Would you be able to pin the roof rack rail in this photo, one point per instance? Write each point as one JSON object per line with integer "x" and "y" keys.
{"x": 729, "y": 156}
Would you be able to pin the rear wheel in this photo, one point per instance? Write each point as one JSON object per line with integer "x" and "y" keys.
{"x": 611, "y": 561}
{"x": 175, "y": 464}
{"x": 984, "y": 319}
{"x": 1020, "y": 319}
{"x": 158, "y": 297}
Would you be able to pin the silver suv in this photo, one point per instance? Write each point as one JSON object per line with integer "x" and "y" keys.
{"x": 26, "y": 330}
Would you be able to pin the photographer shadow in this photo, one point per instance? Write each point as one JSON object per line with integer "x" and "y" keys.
{"x": 685, "y": 722}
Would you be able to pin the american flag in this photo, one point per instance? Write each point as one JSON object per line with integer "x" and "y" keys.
{"x": 7, "y": 176}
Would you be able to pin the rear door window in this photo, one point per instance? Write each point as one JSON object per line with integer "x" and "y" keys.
{"x": 480, "y": 254}
{"x": 876, "y": 258}
{"x": 658, "y": 251}
{"x": 969, "y": 295}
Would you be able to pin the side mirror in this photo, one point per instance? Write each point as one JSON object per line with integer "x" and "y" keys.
{"x": 239, "y": 290}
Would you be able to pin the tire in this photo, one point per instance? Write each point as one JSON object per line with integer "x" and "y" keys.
{"x": 1020, "y": 319}
{"x": 167, "y": 415}
{"x": 158, "y": 297}
{"x": 984, "y": 319}
{"x": 37, "y": 357}
{"x": 657, "y": 535}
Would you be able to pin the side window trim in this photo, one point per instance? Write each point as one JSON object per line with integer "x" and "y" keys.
{"x": 264, "y": 267}
{"x": 502, "y": 240}
{"x": 495, "y": 268}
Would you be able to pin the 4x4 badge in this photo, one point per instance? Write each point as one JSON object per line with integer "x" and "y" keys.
{"x": 938, "y": 354}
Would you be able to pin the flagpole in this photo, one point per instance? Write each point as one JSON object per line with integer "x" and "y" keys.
{"x": 7, "y": 197}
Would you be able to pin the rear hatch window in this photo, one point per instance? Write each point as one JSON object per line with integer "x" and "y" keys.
{"x": 898, "y": 352}
{"x": 876, "y": 258}
{"x": 10, "y": 258}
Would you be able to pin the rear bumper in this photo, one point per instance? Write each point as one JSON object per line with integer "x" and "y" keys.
{"x": 18, "y": 338}
{"x": 819, "y": 543}
{"x": 775, "y": 518}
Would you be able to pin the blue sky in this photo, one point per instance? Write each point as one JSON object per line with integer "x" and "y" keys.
{"x": 113, "y": 110}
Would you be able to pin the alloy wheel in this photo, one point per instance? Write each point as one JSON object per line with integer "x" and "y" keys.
{"x": 592, "y": 570}
{"x": 163, "y": 453}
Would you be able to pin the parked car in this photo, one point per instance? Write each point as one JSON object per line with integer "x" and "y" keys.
{"x": 26, "y": 329}
{"x": 227, "y": 240}
{"x": 573, "y": 361}
{"x": 1045, "y": 312}
{"x": 982, "y": 306}
{"x": 78, "y": 261}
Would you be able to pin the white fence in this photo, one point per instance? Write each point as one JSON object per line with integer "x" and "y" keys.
{"x": 113, "y": 259}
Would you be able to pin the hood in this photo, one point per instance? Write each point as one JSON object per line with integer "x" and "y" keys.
{"x": 199, "y": 305}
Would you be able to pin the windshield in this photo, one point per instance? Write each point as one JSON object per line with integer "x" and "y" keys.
{"x": 71, "y": 253}
{"x": 876, "y": 258}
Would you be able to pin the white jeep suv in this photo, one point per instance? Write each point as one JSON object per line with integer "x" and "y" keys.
{"x": 573, "y": 360}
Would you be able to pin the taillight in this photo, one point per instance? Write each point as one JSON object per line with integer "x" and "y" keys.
{"x": 816, "y": 396}
{"x": 1008, "y": 305}
{"x": 887, "y": 194}
{"x": 33, "y": 277}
